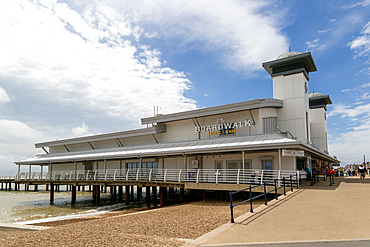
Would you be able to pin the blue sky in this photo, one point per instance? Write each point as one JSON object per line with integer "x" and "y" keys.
{"x": 74, "y": 68}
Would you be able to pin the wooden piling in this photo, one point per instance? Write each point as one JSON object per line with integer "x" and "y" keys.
{"x": 154, "y": 190}
{"x": 98, "y": 194}
{"x": 51, "y": 193}
{"x": 120, "y": 193}
{"x": 162, "y": 196}
{"x": 181, "y": 195}
{"x": 139, "y": 192}
{"x": 73, "y": 188}
{"x": 148, "y": 195}
{"x": 127, "y": 195}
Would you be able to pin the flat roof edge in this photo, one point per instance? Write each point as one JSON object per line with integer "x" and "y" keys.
{"x": 204, "y": 112}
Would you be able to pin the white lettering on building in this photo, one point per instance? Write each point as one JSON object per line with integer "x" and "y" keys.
{"x": 223, "y": 126}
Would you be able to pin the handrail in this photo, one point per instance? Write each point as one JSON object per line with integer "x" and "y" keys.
{"x": 231, "y": 193}
{"x": 215, "y": 176}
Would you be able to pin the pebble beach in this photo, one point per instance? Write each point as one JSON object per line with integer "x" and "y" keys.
{"x": 166, "y": 226}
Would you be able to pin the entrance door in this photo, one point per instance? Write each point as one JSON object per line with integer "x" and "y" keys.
{"x": 267, "y": 165}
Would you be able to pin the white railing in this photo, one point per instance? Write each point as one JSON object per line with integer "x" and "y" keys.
{"x": 230, "y": 176}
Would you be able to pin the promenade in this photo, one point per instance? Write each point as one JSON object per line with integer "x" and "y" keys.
{"x": 319, "y": 213}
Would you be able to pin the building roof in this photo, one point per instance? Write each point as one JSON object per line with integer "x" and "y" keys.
{"x": 101, "y": 137}
{"x": 209, "y": 111}
{"x": 289, "y": 54}
{"x": 228, "y": 144}
{"x": 290, "y": 63}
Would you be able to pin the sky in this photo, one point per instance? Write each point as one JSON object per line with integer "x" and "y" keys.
{"x": 76, "y": 68}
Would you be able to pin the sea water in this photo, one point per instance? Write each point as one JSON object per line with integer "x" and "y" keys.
{"x": 27, "y": 207}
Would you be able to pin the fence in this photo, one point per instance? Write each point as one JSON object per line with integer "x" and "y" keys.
{"x": 234, "y": 176}
{"x": 282, "y": 181}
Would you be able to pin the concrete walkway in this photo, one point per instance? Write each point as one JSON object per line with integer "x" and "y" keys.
{"x": 320, "y": 213}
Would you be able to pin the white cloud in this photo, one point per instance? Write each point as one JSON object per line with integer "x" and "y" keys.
{"x": 4, "y": 98}
{"x": 16, "y": 141}
{"x": 348, "y": 111}
{"x": 17, "y": 132}
{"x": 324, "y": 31}
{"x": 358, "y": 88}
{"x": 314, "y": 45}
{"x": 355, "y": 4}
{"x": 241, "y": 30}
{"x": 66, "y": 52}
{"x": 81, "y": 130}
{"x": 351, "y": 144}
{"x": 361, "y": 44}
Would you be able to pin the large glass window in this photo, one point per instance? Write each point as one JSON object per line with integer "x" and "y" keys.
{"x": 301, "y": 164}
{"x": 144, "y": 165}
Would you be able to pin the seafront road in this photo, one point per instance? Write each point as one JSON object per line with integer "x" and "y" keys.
{"x": 319, "y": 215}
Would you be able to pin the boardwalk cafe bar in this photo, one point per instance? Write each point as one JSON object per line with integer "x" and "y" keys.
{"x": 219, "y": 148}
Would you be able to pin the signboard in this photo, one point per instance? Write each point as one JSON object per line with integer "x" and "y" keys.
{"x": 194, "y": 164}
{"x": 293, "y": 152}
{"x": 223, "y": 126}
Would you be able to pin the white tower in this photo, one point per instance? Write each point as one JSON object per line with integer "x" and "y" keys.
{"x": 317, "y": 120}
{"x": 290, "y": 84}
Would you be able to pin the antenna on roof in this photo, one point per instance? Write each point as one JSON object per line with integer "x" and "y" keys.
{"x": 289, "y": 49}
{"x": 156, "y": 110}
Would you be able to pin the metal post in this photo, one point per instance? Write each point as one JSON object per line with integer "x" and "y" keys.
{"x": 250, "y": 199}
{"x": 231, "y": 206}
{"x": 264, "y": 189}
{"x": 276, "y": 197}
{"x": 284, "y": 185}
{"x": 291, "y": 183}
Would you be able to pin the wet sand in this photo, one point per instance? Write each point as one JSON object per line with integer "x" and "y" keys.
{"x": 167, "y": 226}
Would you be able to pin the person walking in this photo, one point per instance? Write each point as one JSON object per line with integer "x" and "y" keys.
{"x": 362, "y": 172}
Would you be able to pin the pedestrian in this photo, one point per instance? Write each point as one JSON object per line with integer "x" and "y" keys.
{"x": 308, "y": 173}
{"x": 349, "y": 172}
{"x": 362, "y": 172}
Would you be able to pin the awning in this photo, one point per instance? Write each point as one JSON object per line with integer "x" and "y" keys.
{"x": 227, "y": 144}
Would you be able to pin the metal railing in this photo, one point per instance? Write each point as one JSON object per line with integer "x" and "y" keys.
{"x": 233, "y": 176}
{"x": 291, "y": 181}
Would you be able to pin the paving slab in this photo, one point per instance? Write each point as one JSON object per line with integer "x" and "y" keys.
{"x": 312, "y": 213}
